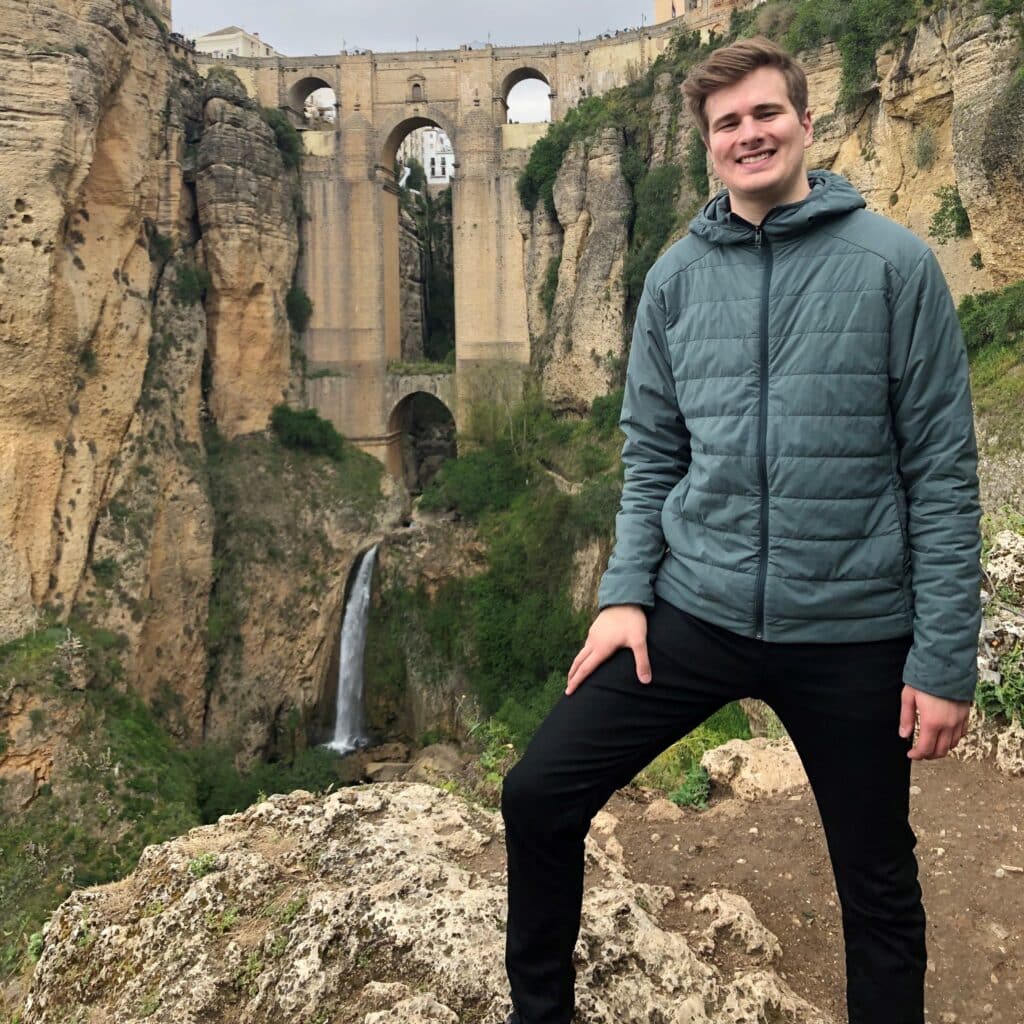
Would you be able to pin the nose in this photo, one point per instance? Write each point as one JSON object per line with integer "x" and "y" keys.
{"x": 749, "y": 131}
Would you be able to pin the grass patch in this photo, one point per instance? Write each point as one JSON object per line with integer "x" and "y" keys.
{"x": 420, "y": 367}
{"x": 550, "y": 285}
{"x": 678, "y": 768}
{"x": 993, "y": 326}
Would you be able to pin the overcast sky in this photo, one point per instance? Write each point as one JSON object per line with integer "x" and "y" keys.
{"x": 302, "y": 27}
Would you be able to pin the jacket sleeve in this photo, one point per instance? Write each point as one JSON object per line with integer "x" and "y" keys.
{"x": 656, "y": 456}
{"x": 931, "y": 405}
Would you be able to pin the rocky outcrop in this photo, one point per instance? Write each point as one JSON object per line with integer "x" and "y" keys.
{"x": 248, "y": 204}
{"x": 754, "y": 768}
{"x": 374, "y": 904}
{"x": 583, "y": 339}
{"x": 151, "y": 567}
{"x": 86, "y": 153}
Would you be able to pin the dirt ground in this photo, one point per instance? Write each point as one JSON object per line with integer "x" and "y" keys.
{"x": 969, "y": 820}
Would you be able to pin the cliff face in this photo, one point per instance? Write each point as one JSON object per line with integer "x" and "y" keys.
{"x": 582, "y": 335}
{"x": 248, "y": 206}
{"x": 85, "y": 151}
{"x": 947, "y": 114}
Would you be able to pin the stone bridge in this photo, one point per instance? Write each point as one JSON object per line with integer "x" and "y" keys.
{"x": 350, "y": 265}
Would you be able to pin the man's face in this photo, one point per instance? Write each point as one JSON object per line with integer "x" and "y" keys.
{"x": 757, "y": 142}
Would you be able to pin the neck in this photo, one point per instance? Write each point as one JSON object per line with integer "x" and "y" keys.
{"x": 755, "y": 210}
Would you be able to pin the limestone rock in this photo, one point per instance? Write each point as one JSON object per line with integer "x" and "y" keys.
{"x": 585, "y": 332}
{"x": 413, "y": 289}
{"x": 434, "y": 763}
{"x": 386, "y": 771}
{"x": 755, "y": 768}
{"x": 663, "y": 810}
{"x": 364, "y": 906}
{"x": 732, "y": 913}
{"x": 247, "y": 213}
{"x": 85, "y": 155}
{"x": 1005, "y": 566}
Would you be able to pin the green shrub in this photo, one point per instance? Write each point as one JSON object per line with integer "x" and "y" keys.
{"x": 478, "y": 482}
{"x": 993, "y": 318}
{"x": 1005, "y": 699}
{"x": 653, "y": 223}
{"x": 925, "y": 147}
{"x": 858, "y": 27}
{"x": 605, "y": 412}
{"x": 306, "y": 430}
{"x": 191, "y": 284}
{"x": 694, "y": 790}
{"x": 950, "y": 220}
{"x": 106, "y": 572}
{"x": 550, "y": 286}
{"x": 299, "y": 307}
{"x": 697, "y": 164}
{"x": 287, "y": 138}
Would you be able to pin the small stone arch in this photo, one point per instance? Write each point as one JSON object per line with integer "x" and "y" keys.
{"x": 392, "y": 135}
{"x": 300, "y": 90}
{"x": 513, "y": 78}
{"x": 426, "y": 430}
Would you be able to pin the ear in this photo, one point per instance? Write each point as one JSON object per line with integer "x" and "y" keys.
{"x": 808, "y": 127}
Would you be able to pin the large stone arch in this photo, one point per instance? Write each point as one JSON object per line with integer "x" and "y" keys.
{"x": 389, "y": 139}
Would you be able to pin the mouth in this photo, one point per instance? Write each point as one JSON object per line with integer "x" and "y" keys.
{"x": 756, "y": 159}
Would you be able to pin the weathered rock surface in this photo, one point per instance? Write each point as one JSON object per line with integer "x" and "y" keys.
{"x": 84, "y": 156}
{"x": 376, "y": 904}
{"x": 755, "y": 768}
{"x": 584, "y": 333}
{"x": 247, "y": 210}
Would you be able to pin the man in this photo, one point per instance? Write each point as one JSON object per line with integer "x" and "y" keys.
{"x": 799, "y": 523}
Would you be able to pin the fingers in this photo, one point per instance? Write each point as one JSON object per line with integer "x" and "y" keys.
{"x": 584, "y": 663}
{"x": 643, "y": 664}
{"x": 908, "y": 710}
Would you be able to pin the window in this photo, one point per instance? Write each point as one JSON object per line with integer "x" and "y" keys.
{"x": 442, "y": 167}
{"x": 417, "y": 91}
{"x": 433, "y": 167}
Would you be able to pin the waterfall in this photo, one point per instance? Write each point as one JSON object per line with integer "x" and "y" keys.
{"x": 348, "y": 720}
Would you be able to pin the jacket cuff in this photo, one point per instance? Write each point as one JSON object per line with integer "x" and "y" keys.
{"x": 931, "y": 681}
{"x": 626, "y": 588}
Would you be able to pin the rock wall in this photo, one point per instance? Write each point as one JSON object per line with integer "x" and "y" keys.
{"x": 582, "y": 337}
{"x": 947, "y": 112}
{"x": 248, "y": 208}
{"x": 86, "y": 150}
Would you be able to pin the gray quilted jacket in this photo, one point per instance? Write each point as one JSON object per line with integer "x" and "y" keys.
{"x": 800, "y": 455}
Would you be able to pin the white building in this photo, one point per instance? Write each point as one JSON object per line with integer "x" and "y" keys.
{"x": 432, "y": 148}
{"x": 234, "y": 42}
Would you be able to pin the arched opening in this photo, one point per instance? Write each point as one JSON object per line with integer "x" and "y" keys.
{"x": 427, "y": 430}
{"x": 527, "y": 97}
{"x": 417, "y": 92}
{"x": 418, "y": 243}
{"x": 314, "y": 105}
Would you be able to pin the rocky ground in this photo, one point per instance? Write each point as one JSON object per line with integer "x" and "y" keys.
{"x": 969, "y": 820}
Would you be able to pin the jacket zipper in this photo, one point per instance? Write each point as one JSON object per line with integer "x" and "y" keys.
{"x": 762, "y": 437}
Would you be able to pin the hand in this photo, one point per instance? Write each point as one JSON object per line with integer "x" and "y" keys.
{"x": 943, "y": 723}
{"x": 621, "y": 625}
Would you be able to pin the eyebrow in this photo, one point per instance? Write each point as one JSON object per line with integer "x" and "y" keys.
{"x": 761, "y": 108}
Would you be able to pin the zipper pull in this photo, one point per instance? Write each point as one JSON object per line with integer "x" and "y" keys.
{"x": 757, "y": 237}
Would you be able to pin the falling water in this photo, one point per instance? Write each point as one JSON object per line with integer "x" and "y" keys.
{"x": 348, "y": 721}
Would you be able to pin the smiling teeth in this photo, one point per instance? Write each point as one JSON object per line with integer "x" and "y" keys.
{"x": 752, "y": 159}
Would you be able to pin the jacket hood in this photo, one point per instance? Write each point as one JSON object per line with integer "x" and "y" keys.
{"x": 831, "y": 196}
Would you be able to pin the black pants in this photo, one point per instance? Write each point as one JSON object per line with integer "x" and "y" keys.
{"x": 840, "y": 704}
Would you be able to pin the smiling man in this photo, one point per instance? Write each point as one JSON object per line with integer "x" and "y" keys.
{"x": 799, "y": 523}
